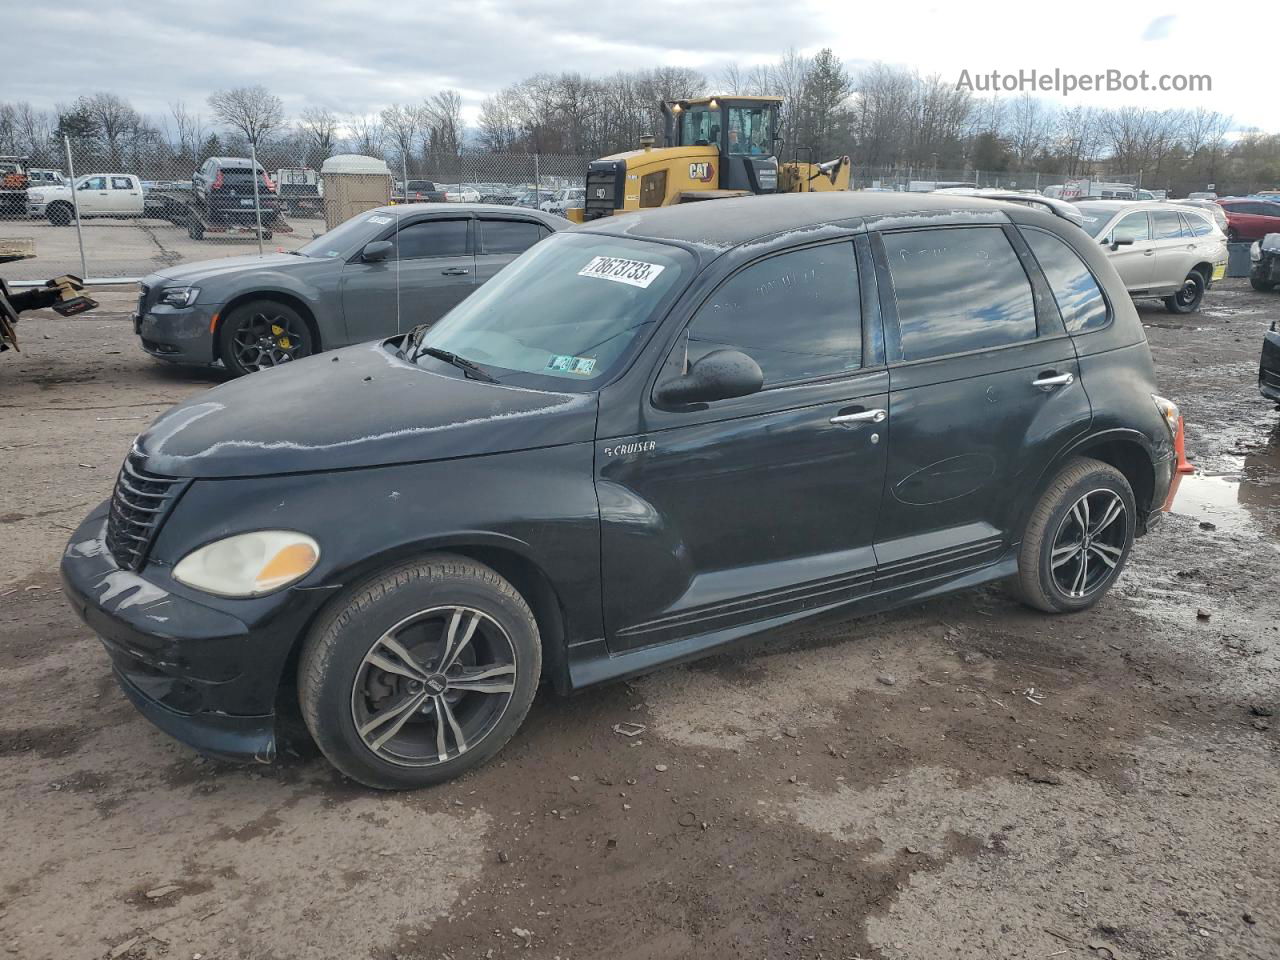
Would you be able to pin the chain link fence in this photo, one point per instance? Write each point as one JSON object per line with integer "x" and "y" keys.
{"x": 101, "y": 213}
{"x": 101, "y": 216}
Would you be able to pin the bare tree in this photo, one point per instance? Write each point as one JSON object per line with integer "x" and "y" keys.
{"x": 403, "y": 126}
{"x": 368, "y": 136}
{"x": 318, "y": 129}
{"x": 254, "y": 111}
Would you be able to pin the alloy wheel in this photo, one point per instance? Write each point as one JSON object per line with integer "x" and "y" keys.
{"x": 1089, "y": 544}
{"x": 433, "y": 686}
{"x": 268, "y": 340}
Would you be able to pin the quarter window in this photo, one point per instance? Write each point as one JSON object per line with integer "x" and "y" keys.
{"x": 432, "y": 238}
{"x": 1196, "y": 225}
{"x": 958, "y": 289}
{"x": 796, "y": 314}
{"x": 510, "y": 236}
{"x": 1079, "y": 298}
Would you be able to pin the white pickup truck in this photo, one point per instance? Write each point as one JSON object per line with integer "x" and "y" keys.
{"x": 98, "y": 195}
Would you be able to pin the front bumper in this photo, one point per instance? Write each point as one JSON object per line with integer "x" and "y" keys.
{"x": 1269, "y": 366}
{"x": 197, "y": 670}
{"x": 178, "y": 334}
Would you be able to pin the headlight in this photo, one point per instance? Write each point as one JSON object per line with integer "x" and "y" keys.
{"x": 1255, "y": 252}
{"x": 180, "y": 296}
{"x": 1169, "y": 410}
{"x": 249, "y": 564}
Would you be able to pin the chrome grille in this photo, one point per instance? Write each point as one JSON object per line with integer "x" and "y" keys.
{"x": 138, "y": 506}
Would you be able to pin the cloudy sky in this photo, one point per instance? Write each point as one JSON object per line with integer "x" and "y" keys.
{"x": 358, "y": 57}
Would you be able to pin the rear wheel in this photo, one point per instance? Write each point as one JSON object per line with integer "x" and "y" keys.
{"x": 1077, "y": 539}
{"x": 1187, "y": 299}
{"x": 60, "y": 214}
{"x": 423, "y": 673}
{"x": 1263, "y": 286}
{"x": 261, "y": 334}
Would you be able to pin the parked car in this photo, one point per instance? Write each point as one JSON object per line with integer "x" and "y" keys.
{"x": 1212, "y": 208}
{"x": 300, "y": 190}
{"x": 224, "y": 190}
{"x": 376, "y": 275}
{"x": 13, "y": 186}
{"x": 1249, "y": 219}
{"x": 96, "y": 194}
{"x": 1161, "y": 251}
{"x": 1264, "y": 263}
{"x": 456, "y": 193}
{"x": 1269, "y": 365}
{"x": 420, "y": 191}
{"x": 567, "y": 199}
{"x": 614, "y": 456}
{"x": 530, "y": 199}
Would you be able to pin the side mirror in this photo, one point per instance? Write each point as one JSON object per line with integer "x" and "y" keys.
{"x": 720, "y": 375}
{"x": 376, "y": 252}
{"x": 1117, "y": 243}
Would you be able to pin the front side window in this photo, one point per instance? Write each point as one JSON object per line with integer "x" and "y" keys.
{"x": 567, "y": 313}
{"x": 796, "y": 314}
{"x": 749, "y": 130}
{"x": 1166, "y": 225}
{"x": 94, "y": 183}
{"x": 1080, "y": 300}
{"x": 431, "y": 238}
{"x": 510, "y": 236}
{"x": 957, "y": 290}
{"x": 699, "y": 127}
{"x": 1133, "y": 228}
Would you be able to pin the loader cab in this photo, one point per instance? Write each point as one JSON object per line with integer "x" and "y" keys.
{"x": 743, "y": 131}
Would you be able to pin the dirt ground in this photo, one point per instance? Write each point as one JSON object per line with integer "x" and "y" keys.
{"x": 963, "y": 778}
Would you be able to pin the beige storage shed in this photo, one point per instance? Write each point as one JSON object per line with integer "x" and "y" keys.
{"x": 353, "y": 183}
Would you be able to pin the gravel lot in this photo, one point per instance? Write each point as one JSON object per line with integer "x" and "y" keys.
{"x": 963, "y": 778}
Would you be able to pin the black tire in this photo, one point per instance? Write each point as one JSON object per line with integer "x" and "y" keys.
{"x": 1052, "y": 529}
{"x": 266, "y": 234}
{"x": 1262, "y": 286}
{"x": 195, "y": 229}
{"x": 1187, "y": 300}
{"x": 342, "y": 693}
{"x": 60, "y": 214}
{"x": 261, "y": 334}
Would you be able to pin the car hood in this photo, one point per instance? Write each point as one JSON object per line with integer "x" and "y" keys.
{"x": 204, "y": 270}
{"x": 358, "y": 407}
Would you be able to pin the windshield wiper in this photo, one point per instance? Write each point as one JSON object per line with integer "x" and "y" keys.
{"x": 412, "y": 340}
{"x": 463, "y": 364}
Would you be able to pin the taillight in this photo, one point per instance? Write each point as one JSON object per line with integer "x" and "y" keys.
{"x": 217, "y": 181}
{"x": 267, "y": 180}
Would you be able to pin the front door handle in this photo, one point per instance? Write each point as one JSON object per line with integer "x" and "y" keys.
{"x": 455, "y": 272}
{"x": 866, "y": 416}
{"x": 1149, "y": 252}
{"x": 1047, "y": 383}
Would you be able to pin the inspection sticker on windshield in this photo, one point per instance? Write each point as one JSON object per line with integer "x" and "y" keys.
{"x": 582, "y": 366}
{"x": 635, "y": 272}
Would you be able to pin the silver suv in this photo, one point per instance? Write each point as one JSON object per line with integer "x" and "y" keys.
{"x": 1160, "y": 250}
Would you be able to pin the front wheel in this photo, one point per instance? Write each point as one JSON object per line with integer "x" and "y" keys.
{"x": 422, "y": 673}
{"x": 1077, "y": 539}
{"x": 261, "y": 334}
{"x": 60, "y": 214}
{"x": 1187, "y": 299}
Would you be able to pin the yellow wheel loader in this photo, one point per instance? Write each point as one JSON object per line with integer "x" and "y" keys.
{"x": 712, "y": 147}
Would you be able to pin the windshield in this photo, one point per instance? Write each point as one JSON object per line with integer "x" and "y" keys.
{"x": 1095, "y": 217}
{"x": 566, "y": 312}
{"x": 347, "y": 235}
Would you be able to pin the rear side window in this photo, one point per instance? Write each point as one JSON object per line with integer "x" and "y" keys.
{"x": 796, "y": 314}
{"x": 1079, "y": 298}
{"x": 958, "y": 289}
{"x": 121, "y": 183}
{"x": 510, "y": 236}
{"x": 1166, "y": 224}
{"x": 432, "y": 238}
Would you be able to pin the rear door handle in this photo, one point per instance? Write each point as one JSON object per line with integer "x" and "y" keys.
{"x": 1048, "y": 383}
{"x": 455, "y": 272}
{"x": 866, "y": 416}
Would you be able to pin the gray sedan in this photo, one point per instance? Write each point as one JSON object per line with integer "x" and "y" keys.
{"x": 381, "y": 273}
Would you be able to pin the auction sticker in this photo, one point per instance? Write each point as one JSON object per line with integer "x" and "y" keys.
{"x": 582, "y": 366}
{"x": 635, "y": 272}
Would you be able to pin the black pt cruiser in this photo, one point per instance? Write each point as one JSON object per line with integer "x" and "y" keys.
{"x": 645, "y": 439}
